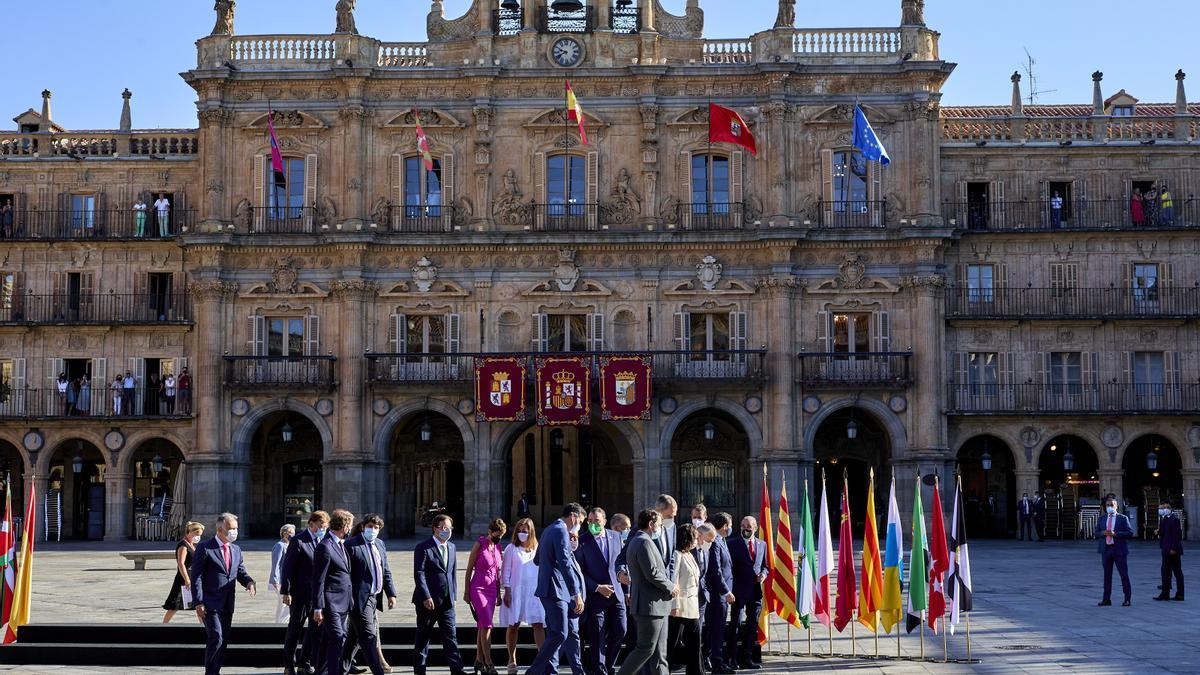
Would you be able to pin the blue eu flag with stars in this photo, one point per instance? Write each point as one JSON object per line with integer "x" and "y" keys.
{"x": 866, "y": 141}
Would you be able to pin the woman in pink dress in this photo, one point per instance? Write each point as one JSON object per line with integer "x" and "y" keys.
{"x": 483, "y": 592}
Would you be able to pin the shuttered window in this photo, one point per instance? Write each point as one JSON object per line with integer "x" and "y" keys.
{"x": 285, "y": 202}
{"x": 422, "y": 188}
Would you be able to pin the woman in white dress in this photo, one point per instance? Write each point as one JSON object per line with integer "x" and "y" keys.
{"x": 518, "y": 579}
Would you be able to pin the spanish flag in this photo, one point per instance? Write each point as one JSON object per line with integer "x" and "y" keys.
{"x": 769, "y": 599}
{"x": 784, "y": 577}
{"x": 870, "y": 598}
{"x": 575, "y": 112}
{"x": 24, "y": 587}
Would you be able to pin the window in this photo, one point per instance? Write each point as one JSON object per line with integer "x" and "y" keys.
{"x": 850, "y": 192}
{"x": 1064, "y": 278}
{"x": 1122, "y": 111}
{"x": 981, "y": 283}
{"x": 426, "y": 335}
{"x": 710, "y": 184}
{"x": 1145, "y": 283}
{"x": 852, "y": 333}
{"x": 1148, "y": 371}
{"x": 83, "y": 212}
{"x": 287, "y": 201}
{"x": 422, "y": 188}
{"x": 566, "y": 183}
{"x": 8, "y": 285}
{"x": 983, "y": 375}
{"x": 567, "y": 332}
{"x": 709, "y": 333}
{"x": 285, "y": 337}
{"x": 1066, "y": 373}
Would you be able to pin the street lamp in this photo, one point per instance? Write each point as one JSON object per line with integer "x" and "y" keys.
{"x": 852, "y": 430}
{"x": 286, "y": 431}
{"x": 426, "y": 431}
{"x": 1152, "y": 459}
{"x": 710, "y": 431}
{"x": 1068, "y": 461}
{"x": 77, "y": 463}
{"x": 986, "y": 460}
{"x": 157, "y": 464}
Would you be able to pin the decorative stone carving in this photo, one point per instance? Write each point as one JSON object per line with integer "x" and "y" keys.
{"x": 33, "y": 440}
{"x": 688, "y": 26}
{"x": 668, "y": 405}
{"x": 380, "y": 407}
{"x": 1112, "y": 436}
{"x": 1148, "y": 335}
{"x": 439, "y": 29}
{"x": 284, "y": 278}
{"x": 787, "y": 14}
{"x": 566, "y": 272}
{"x": 668, "y": 211}
{"x": 287, "y": 118}
{"x": 379, "y": 213}
{"x": 212, "y": 289}
{"x": 424, "y": 273}
{"x": 709, "y": 272}
{"x": 852, "y": 272}
{"x": 510, "y": 209}
{"x": 324, "y": 407}
{"x": 752, "y": 208}
{"x": 224, "y": 10}
{"x": 464, "y": 211}
{"x": 466, "y": 406}
{"x": 912, "y": 13}
{"x": 1030, "y": 436}
{"x": 243, "y": 215}
{"x": 927, "y": 282}
{"x": 626, "y": 204}
{"x": 345, "y": 17}
{"x": 114, "y": 440}
{"x": 753, "y": 405}
{"x": 354, "y": 289}
{"x": 239, "y": 407}
{"x": 811, "y": 404}
{"x": 898, "y": 404}
{"x": 326, "y": 212}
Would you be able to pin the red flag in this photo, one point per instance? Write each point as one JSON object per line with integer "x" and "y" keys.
{"x": 847, "y": 589}
{"x": 940, "y": 555}
{"x": 423, "y": 143}
{"x": 764, "y": 527}
{"x": 726, "y": 126}
{"x": 23, "y": 589}
{"x": 276, "y": 156}
{"x": 8, "y": 558}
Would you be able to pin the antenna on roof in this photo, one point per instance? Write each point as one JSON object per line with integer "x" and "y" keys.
{"x": 1031, "y": 76}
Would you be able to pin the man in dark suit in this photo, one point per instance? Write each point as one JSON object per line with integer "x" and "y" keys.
{"x": 605, "y": 601}
{"x": 1039, "y": 516}
{"x": 523, "y": 506}
{"x": 434, "y": 569}
{"x": 748, "y": 554}
{"x": 1170, "y": 540}
{"x": 667, "y": 507}
{"x": 652, "y": 592}
{"x": 1112, "y": 529}
{"x": 216, "y": 565}
{"x": 295, "y": 591}
{"x": 706, "y": 534}
{"x": 1025, "y": 518}
{"x": 558, "y": 588}
{"x": 370, "y": 578}
{"x": 331, "y": 589}
{"x": 718, "y": 581}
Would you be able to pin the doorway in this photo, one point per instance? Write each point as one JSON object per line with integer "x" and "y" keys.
{"x": 159, "y": 285}
{"x": 286, "y": 475}
{"x": 848, "y": 445}
{"x": 977, "y": 206}
{"x": 1065, "y": 190}
{"x": 75, "y": 504}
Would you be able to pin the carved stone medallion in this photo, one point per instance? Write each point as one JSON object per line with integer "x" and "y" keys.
{"x": 709, "y": 272}
{"x": 424, "y": 274}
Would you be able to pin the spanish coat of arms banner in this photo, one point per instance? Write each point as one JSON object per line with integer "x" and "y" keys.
{"x": 625, "y": 387}
{"x": 500, "y": 389}
{"x": 563, "y": 385}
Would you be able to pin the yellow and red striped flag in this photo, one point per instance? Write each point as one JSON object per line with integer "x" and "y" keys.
{"x": 575, "y": 112}
{"x": 870, "y": 598}
{"x": 23, "y": 590}
{"x": 769, "y": 599}
{"x": 784, "y": 577}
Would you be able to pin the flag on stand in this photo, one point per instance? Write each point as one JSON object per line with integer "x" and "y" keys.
{"x": 958, "y": 582}
{"x": 8, "y": 559}
{"x": 784, "y": 576}
{"x": 941, "y": 561}
{"x": 847, "y": 591}
{"x": 575, "y": 112}
{"x": 808, "y": 564}
{"x": 870, "y": 598}
{"x": 23, "y": 588}
{"x": 726, "y": 126}
{"x": 824, "y": 559}
{"x": 276, "y": 156}
{"x": 770, "y": 602}
{"x": 423, "y": 143}
{"x": 918, "y": 566}
{"x": 893, "y": 566}
{"x": 866, "y": 141}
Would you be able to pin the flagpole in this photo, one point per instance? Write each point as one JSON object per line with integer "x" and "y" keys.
{"x": 810, "y": 637}
{"x": 945, "y": 643}
{"x": 876, "y": 634}
{"x": 922, "y": 634}
{"x": 853, "y": 641}
{"x": 968, "y": 636}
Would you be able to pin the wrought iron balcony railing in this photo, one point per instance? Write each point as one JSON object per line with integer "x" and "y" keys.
{"x": 1077, "y": 214}
{"x": 92, "y": 225}
{"x": 1072, "y": 303}
{"x": 852, "y": 214}
{"x": 555, "y": 21}
{"x": 565, "y": 217}
{"x": 424, "y": 219}
{"x": 283, "y": 220}
{"x": 280, "y": 372}
{"x": 96, "y": 308}
{"x": 508, "y": 22}
{"x": 99, "y": 401}
{"x": 626, "y": 20}
{"x": 840, "y": 370}
{"x": 710, "y": 216}
{"x": 1073, "y": 399}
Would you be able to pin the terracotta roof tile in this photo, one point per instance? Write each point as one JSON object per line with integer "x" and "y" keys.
{"x": 1065, "y": 110}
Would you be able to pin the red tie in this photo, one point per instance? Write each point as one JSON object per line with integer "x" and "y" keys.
{"x": 752, "y": 549}
{"x": 225, "y": 554}
{"x": 1112, "y": 524}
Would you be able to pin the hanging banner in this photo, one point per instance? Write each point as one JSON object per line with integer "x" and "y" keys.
{"x": 499, "y": 389}
{"x": 625, "y": 387}
{"x": 563, "y": 384}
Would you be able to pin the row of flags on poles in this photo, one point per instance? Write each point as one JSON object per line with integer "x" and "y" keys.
{"x": 16, "y": 587}
{"x": 800, "y": 592}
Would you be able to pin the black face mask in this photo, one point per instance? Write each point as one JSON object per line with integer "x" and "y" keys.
{"x": 747, "y": 534}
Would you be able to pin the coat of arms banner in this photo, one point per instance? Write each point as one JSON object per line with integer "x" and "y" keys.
{"x": 500, "y": 389}
{"x": 625, "y": 387}
{"x": 563, "y": 385}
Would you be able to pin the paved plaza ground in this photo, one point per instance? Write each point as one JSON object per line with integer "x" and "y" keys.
{"x": 1035, "y": 611}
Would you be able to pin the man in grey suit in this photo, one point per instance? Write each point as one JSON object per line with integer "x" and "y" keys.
{"x": 651, "y": 592}
{"x": 560, "y": 588}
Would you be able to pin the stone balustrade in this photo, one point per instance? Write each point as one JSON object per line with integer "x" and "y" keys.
{"x": 253, "y": 49}
{"x": 80, "y": 144}
{"x": 728, "y": 51}
{"x": 846, "y": 41}
{"x": 1058, "y": 129}
{"x": 403, "y": 55}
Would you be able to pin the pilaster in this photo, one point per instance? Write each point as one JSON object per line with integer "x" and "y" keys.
{"x": 118, "y": 519}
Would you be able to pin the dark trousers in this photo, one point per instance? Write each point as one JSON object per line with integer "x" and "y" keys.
{"x": 1111, "y": 559}
{"x": 684, "y": 644}
{"x": 558, "y": 629}
{"x": 605, "y": 629}
{"x": 1172, "y": 564}
{"x": 441, "y": 617}
{"x": 742, "y": 633}
{"x": 714, "y": 632}
{"x": 1027, "y": 529}
{"x": 300, "y": 624}
{"x": 216, "y": 627}
{"x": 363, "y": 637}
{"x": 334, "y": 626}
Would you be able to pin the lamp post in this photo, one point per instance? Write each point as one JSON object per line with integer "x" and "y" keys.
{"x": 1152, "y": 459}
{"x": 157, "y": 464}
{"x": 852, "y": 430}
{"x": 77, "y": 463}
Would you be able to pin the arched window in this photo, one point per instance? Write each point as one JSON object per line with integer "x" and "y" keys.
{"x": 286, "y": 202}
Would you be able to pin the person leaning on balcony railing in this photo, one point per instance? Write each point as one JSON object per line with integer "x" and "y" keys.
{"x": 1056, "y": 206}
{"x": 162, "y": 209}
{"x": 1137, "y": 209}
{"x": 62, "y": 384}
{"x": 169, "y": 391}
{"x": 1167, "y": 209}
{"x": 184, "y": 393}
{"x": 127, "y": 385}
{"x": 139, "y": 218}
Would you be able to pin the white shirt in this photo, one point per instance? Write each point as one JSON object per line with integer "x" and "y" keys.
{"x": 140, "y": 206}
{"x": 1056, "y": 202}
{"x": 129, "y": 382}
{"x": 162, "y": 205}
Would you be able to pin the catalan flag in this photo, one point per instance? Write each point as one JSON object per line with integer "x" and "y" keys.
{"x": 893, "y": 566}
{"x": 276, "y": 155}
{"x": 808, "y": 564}
{"x": 423, "y": 143}
{"x": 769, "y": 600}
{"x": 23, "y": 588}
{"x": 575, "y": 114}
{"x": 870, "y": 597}
{"x": 784, "y": 576}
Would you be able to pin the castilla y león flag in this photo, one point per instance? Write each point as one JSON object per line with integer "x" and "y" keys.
{"x": 625, "y": 387}
{"x": 563, "y": 387}
{"x": 727, "y": 126}
{"x": 499, "y": 389}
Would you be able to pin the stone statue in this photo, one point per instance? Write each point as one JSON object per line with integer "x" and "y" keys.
{"x": 379, "y": 214}
{"x": 787, "y": 14}
{"x": 912, "y": 13}
{"x": 345, "y": 17}
{"x": 626, "y": 204}
{"x": 508, "y": 208}
{"x": 243, "y": 215}
{"x": 224, "y": 9}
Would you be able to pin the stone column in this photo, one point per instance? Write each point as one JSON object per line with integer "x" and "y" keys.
{"x": 352, "y": 296}
{"x": 781, "y": 426}
{"x": 40, "y": 484}
{"x": 482, "y": 479}
{"x": 1182, "y": 118}
{"x": 1018, "y": 109}
{"x": 777, "y": 197}
{"x": 208, "y": 298}
{"x": 1191, "y": 502}
{"x": 604, "y": 16}
{"x": 214, "y": 214}
{"x": 1112, "y": 480}
{"x": 343, "y": 478}
{"x": 1027, "y": 481}
{"x": 929, "y": 427}
{"x": 217, "y": 486}
{"x": 118, "y": 520}
{"x": 648, "y": 23}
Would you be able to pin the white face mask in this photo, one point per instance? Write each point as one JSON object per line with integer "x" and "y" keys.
{"x": 574, "y": 545}
{"x": 231, "y": 535}
{"x": 705, "y": 546}
{"x": 575, "y": 528}
{"x": 1164, "y": 512}
{"x": 697, "y": 522}
{"x": 196, "y": 539}
{"x": 522, "y": 537}
{"x": 1111, "y": 509}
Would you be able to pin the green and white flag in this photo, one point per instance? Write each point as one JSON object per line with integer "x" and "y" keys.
{"x": 918, "y": 567}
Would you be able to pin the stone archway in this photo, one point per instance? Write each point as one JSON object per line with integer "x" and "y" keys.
{"x": 153, "y": 466}
{"x": 244, "y": 433}
{"x": 1145, "y": 486}
{"x": 989, "y": 495}
{"x": 848, "y": 445}
{"x": 1068, "y": 474}
{"x": 710, "y": 452}
{"x": 76, "y": 490}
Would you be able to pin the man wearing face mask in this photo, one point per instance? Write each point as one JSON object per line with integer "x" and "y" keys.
{"x": 748, "y": 554}
{"x": 605, "y": 603}
{"x": 332, "y": 591}
{"x": 699, "y": 515}
{"x": 434, "y": 570}
{"x": 718, "y": 580}
{"x": 217, "y": 565}
{"x": 370, "y": 577}
{"x": 558, "y": 588}
{"x": 1025, "y": 518}
{"x": 1170, "y": 540}
{"x": 295, "y": 591}
{"x": 1112, "y": 529}
{"x": 652, "y": 592}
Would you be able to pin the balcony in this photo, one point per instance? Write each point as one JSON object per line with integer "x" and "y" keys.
{"x": 1079, "y": 214}
{"x": 709, "y": 216}
{"x": 1072, "y": 303}
{"x": 860, "y": 370}
{"x": 625, "y": 20}
{"x": 78, "y": 145}
{"x": 421, "y": 219}
{"x": 667, "y": 366}
{"x": 565, "y": 217}
{"x": 101, "y": 403}
{"x": 1073, "y": 399}
{"x": 554, "y": 21}
{"x": 96, "y": 225}
{"x": 507, "y": 22}
{"x": 97, "y": 309}
{"x": 284, "y": 220}
{"x": 852, "y": 214}
{"x": 270, "y": 373}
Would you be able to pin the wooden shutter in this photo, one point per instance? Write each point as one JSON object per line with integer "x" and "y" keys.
{"x": 960, "y": 192}
{"x": 398, "y": 334}
{"x": 961, "y": 382}
{"x": 101, "y": 213}
{"x": 539, "y": 332}
{"x": 737, "y": 178}
{"x": 447, "y": 189}
{"x": 827, "y": 184}
{"x": 453, "y": 333}
{"x": 59, "y": 287}
{"x": 737, "y": 331}
{"x": 53, "y": 368}
{"x": 256, "y": 336}
{"x": 883, "y": 332}
{"x": 99, "y": 385}
{"x": 1166, "y": 276}
{"x": 397, "y": 177}
{"x": 1007, "y": 378}
{"x": 310, "y": 189}
{"x": 312, "y": 336}
{"x": 137, "y": 366}
{"x": 19, "y": 395}
{"x": 683, "y": 330}
{"x": 824, "y": 333}
{"x": 593, "y": 189}
{"x": 875, "y": 193}
{"x": 595, "y": 339}
{"x": 539, "y": 178}
{"x": 87, "y": 296}
{"x": 1171, "y": 367}
{"x": 260, "y": 191}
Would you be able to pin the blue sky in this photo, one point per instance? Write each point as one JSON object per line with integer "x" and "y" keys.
{"x": 87, "y": 51}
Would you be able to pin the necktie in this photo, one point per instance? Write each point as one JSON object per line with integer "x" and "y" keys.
{"x": 1111, "y": 525}
{"x": 752, "y": 549}
{"x": 603, "y": 548}
{"x": 377, "y": 584}
{"x": 226, "y": 555}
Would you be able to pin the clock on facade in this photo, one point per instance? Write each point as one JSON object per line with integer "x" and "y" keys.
{"x": 566, "y": 52}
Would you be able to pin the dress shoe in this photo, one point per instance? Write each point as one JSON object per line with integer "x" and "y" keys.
{"x": 356, "y": 670}
{"x": 1179, "y": 598}
{"x": 749, "y": 665}
{"x": 289, "y": 670}
{"x": 1162, "y": 597}
{"x": 1104, "y": 603}
{"x": 1125, "y": 604}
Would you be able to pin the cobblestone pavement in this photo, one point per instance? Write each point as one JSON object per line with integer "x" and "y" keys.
{"x": 1035, "y": 611}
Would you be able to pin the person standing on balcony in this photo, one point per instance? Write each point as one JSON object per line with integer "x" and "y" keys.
{"x": 1056, "y": 205}
{"x": 1137, "y": 209}
{"x": 139, "y": 217}
{"x": 169, "y": 393}
{"x": 1168, "y": 206}
{"x": 63, "y": 385}
{"x": 127, "y": 385}
{"x": 185, "y": 392}
{"x": 162, "y": 208}
{"x": 1150, "y": 199}
{"x": 85, "y": 395}
{"x": 117, "y": 388}
{"x": 6, "y": 219}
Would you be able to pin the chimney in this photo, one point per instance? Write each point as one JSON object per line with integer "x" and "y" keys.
{"x": 1097, "y": 97}
{"x": 1181, "y": 106}
{"x": 126, "y": 117}
{"x": 1017, "y": 108}
{"x": 45, "y": 124}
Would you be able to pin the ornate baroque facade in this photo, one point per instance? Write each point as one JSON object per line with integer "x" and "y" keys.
{"x": 1014, "y": 285}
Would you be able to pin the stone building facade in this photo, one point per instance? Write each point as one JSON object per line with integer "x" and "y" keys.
{"x": 804, "y": 310}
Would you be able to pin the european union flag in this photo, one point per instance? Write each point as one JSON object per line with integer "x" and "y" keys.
{"x": 866, "y": 141}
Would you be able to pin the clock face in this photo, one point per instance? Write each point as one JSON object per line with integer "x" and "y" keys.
{"x": 567, "y": 52}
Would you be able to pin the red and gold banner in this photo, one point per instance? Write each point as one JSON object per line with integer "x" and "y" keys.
{"x": 625, "y": 387}
{"x": 499, "y": 389}
{"x": 563, "y": 385}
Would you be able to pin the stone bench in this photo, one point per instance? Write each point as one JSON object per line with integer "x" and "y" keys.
{"x": 139, "y": 558}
